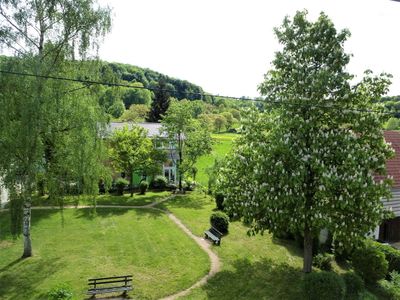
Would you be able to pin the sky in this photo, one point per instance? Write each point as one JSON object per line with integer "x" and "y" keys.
{"x": 226, "y": 46}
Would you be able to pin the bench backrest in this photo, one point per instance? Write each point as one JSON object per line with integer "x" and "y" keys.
{"x": 215, "y": 232}
{"x": 109, "y": 280}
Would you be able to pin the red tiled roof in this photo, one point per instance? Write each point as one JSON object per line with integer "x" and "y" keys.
{"x": 393, "y": 165}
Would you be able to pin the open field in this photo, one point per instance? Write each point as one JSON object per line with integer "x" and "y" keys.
{"x": 78, "y": 244}
{"x": 222, "y": 145}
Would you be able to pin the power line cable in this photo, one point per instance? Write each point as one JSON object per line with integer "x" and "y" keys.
{"x": 88, "y": 83}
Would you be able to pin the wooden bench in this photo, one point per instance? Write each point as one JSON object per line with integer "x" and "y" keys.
{"x": 214, "y": 235}
{"x": 110, "y": 285}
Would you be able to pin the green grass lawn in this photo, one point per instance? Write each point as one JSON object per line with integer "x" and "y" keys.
{"x": 257, "y": 267}
{"x": 222, "y": 145}
{"x": 78, "y": 244}
{"x": 107, "y": 199}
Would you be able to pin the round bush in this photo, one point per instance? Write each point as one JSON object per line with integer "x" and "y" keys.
{"x": 143, "y": 187}
{"x": 160, "y": 182}
{"x": 392, "y": 256}
{"x": 121, "y": 183}
{"x": 219, "y": 201}
{"x": 369, "y": 263}
{"x": 323, "y": 261}
{"x": 220, "y": 221}
{"x": 324, "y": 285}
{"x": 354, "y": 285}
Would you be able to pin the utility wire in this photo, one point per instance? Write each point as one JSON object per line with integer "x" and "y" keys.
{"x": 88, "y": 83}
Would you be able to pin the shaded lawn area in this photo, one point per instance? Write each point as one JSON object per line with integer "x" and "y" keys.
{"x": 106, "y": 199}
{"x": 257, "y": 267}
{"x": 222, "y": 145}
{"x": 73, "y": 245}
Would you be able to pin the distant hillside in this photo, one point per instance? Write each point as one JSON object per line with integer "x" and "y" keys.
{"x": 180, "y": 88}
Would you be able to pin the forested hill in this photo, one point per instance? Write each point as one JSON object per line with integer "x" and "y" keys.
{"x": 180, "y": 89}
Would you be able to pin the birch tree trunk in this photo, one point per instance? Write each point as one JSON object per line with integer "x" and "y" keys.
{"x": 26, "y": 228}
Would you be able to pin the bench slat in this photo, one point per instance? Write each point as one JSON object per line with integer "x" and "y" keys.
{"x": 110, "y": 281}
{"x": 110, "y": 277}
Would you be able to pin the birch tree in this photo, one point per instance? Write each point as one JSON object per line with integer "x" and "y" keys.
{"x": 308, "y": 163}
{"x": 43, "y": 36}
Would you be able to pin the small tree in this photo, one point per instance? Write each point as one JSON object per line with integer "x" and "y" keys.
{"x": 308, "y": 164}
{"x": 219, "y": 122}
{"x": 132, "y": 151}
{"x": 190, "y": 138}
{"x": 160, "y": 102}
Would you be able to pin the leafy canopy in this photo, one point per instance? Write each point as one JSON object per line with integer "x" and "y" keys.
{"x": 308, "y": 162}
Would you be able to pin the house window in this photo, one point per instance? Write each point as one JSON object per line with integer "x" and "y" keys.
{"x": 170, "y": 173}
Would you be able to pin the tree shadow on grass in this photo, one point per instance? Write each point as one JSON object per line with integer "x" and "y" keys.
{"x": 259, "y": 280}
{"x": 37, "y": 216}
{"x": 290, "y": 245}
{"x": 102, "y": 212}
{"x": 99, "y": 212}
{"x": 20, "y": 279}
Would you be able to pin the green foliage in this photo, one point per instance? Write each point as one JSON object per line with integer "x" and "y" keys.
{"x": 136, "y": 113}
{"x": 121, "y": 184}
{"x": 132, "y": 151}
{"x": 116, "y": 109}
{"x": 159, "y": 182}
{"x": 392, "y": 287}
{"x": 369, "y": 263}
{"x": 219, "y": 123}
{"x": 301, "y": 166}
{"x": 219, "y": 200}
{"x": 220, "y": 221}
{"x": 137, "y": 96}
{"x": 392, "y": 256}
{"x": 323, "y": 261}
{"x": 61, "y": 292}
{"x": 44, "y": 125}
{"x": 191, "y": 140}
{"x": 143, "y": 187}
{"x": 324, "y": 285}
{"x": 393, "y": 124}
{"x": 354, "y": 285}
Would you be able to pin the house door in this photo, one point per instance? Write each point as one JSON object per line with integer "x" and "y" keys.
{"x": 389, "y": 231}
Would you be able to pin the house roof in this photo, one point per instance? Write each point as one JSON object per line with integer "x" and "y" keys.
{"x": 393, "y": 165}
{"x": 153, "y": 129}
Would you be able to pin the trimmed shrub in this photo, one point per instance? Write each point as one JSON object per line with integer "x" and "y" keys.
{"x": 354, "y": 285}
{"x": 159, "y": 182}
{"x": 324, "y": 285}
{"x": 392, "y": 256}
{"x": 143, "y": 187}
{"x": 323, "y": 261}
{"x": 219, "y": 201}
{"x": 369, "y": 263}
{"x": 392, "y": 287}
{"x": 121, "y": 184}
{"x": 220, "y": 221}
{"x": 60, "y": 292}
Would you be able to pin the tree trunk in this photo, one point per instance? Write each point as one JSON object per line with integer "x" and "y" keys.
{"x": 308, "y": 244}
{"x": 26, "y": 229}
{"x": 131, "y": 184}
{"x": 179, "y": 170}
